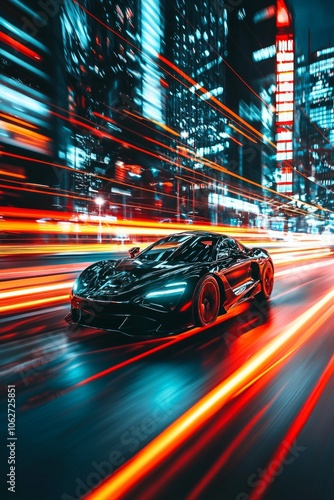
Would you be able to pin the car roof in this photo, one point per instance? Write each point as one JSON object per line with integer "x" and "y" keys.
{"x": 201, "y": 233}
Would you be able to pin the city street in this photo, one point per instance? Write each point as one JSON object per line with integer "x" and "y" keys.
{"x": 240, "y": 410}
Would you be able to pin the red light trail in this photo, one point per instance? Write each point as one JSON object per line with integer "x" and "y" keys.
{"x": 295, "y": 429}
{"x": 178, "y": 432}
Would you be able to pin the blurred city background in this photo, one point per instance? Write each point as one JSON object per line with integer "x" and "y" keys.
{"x": 167, "y": 112}
{"x": 122, "y": 121}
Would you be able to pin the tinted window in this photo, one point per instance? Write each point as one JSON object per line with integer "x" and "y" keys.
{"x": 198, "y": 250}
{"x": 183, "y": 248}
{"x": 163, "y": 249}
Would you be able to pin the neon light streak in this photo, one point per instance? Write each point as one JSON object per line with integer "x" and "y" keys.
{"x": 295, "y": 429}
{"x": 12, "y": 174}
{"x": 33, "y": 303}
{"x": 17, "y": 120}
{"x": 19, "y": 62}
{"x": 19, "y": 46}
{"x": 194, "y": 495}
{"x": 22, "y": 34}
{"x": 178, "y": 432}
{"x": 241, "y": 132}
{"x": 33, "y": 290}
{"x": 213, "y": 99}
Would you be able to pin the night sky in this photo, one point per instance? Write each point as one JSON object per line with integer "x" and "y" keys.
{"x": 318, "y": 16}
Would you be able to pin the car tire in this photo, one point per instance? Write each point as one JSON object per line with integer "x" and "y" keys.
{"x": 267, "y": 282}
{"x": 206, "y": 302}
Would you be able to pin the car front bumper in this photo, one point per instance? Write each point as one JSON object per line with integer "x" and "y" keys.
{"x": 130, "y": 319}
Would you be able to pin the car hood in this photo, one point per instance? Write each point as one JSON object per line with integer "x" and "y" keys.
{"x": 107, "y": 279}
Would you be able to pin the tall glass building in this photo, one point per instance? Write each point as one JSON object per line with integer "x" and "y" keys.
{"x": 26, "y": 97}
{"x": 321, "y": 113}
{"x": 315, "y": 126}
{"x": 195, "y": 73}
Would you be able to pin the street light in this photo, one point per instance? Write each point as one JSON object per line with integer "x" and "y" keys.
{"x": 99, "y": 201}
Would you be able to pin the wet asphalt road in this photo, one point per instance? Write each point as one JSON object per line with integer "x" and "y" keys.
{"x": 89, "y": 401}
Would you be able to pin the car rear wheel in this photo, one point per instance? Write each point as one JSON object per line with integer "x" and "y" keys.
{"x": 206, "y": 302}
{"x": 267, "y": 282}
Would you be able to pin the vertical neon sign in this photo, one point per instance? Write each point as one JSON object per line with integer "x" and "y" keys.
{"x": 284, "y": 96}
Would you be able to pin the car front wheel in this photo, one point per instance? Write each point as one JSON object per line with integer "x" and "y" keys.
{"x": 206, "y": 303}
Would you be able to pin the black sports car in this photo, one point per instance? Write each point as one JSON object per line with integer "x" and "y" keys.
{"x": 182, "y": 280}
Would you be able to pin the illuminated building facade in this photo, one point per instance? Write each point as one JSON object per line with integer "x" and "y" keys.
{"x": 261, "y": 49}
{"x": 156, "y": 105}
{"x": 285, "y": 77}
{"x": 114, "y": 85}
{"x": 314, "y": 127}
{"x": 100, "y": 65}
{"x": 322, "y": 92}
{"x": 321, "y": 113}
{"x": 197, "y": 39}
{"x": 252, "y": 92}
{"x": 27, "y": 93}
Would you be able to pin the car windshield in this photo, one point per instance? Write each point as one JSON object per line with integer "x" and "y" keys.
{"x": 183, "y": 248}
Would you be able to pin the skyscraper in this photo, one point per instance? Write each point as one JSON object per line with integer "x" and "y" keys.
{"x": 26, "y": 102}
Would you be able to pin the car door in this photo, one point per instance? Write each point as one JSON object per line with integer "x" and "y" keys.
{"x": 235, "y": 265}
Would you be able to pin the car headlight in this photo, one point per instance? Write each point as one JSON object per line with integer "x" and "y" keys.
{"x": 166, "y": 297}
{"x": 168, "y": 290}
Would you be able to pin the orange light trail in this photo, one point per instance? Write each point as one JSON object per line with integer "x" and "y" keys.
{"x": 25, "y": 132}
{"x": 295, "y": 429}
{"x": 194, "y": 495}
{"x": 308, "y": 255}
{"x": 33, "y": 290}
{"x": 12, "y": 174}
{"x": 17, "y": 120}
{"x": 307, "y": 267}
{"x": 33, "y": 213}
{"x": 214, "y": 99}
{"x": 212, "y": 431}
{"x": 168, "y": 129}
{"x": 180, "y": 430}
{"x": 103, "y": 117}
{"x": 241, "y": 132}
{"x": 235, "y": 140}
{"x": 33, "y": 303}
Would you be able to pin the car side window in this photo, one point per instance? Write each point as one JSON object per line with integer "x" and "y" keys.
{"x": 230, "y": 243}
{"x": 226, "y": 246}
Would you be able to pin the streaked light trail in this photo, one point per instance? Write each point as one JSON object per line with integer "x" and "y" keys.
{"x": 178, "y": 432}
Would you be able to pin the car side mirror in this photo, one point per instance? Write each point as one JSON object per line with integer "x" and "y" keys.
{"x": 224, "y": 254}
{"x": 133, "y": 252}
